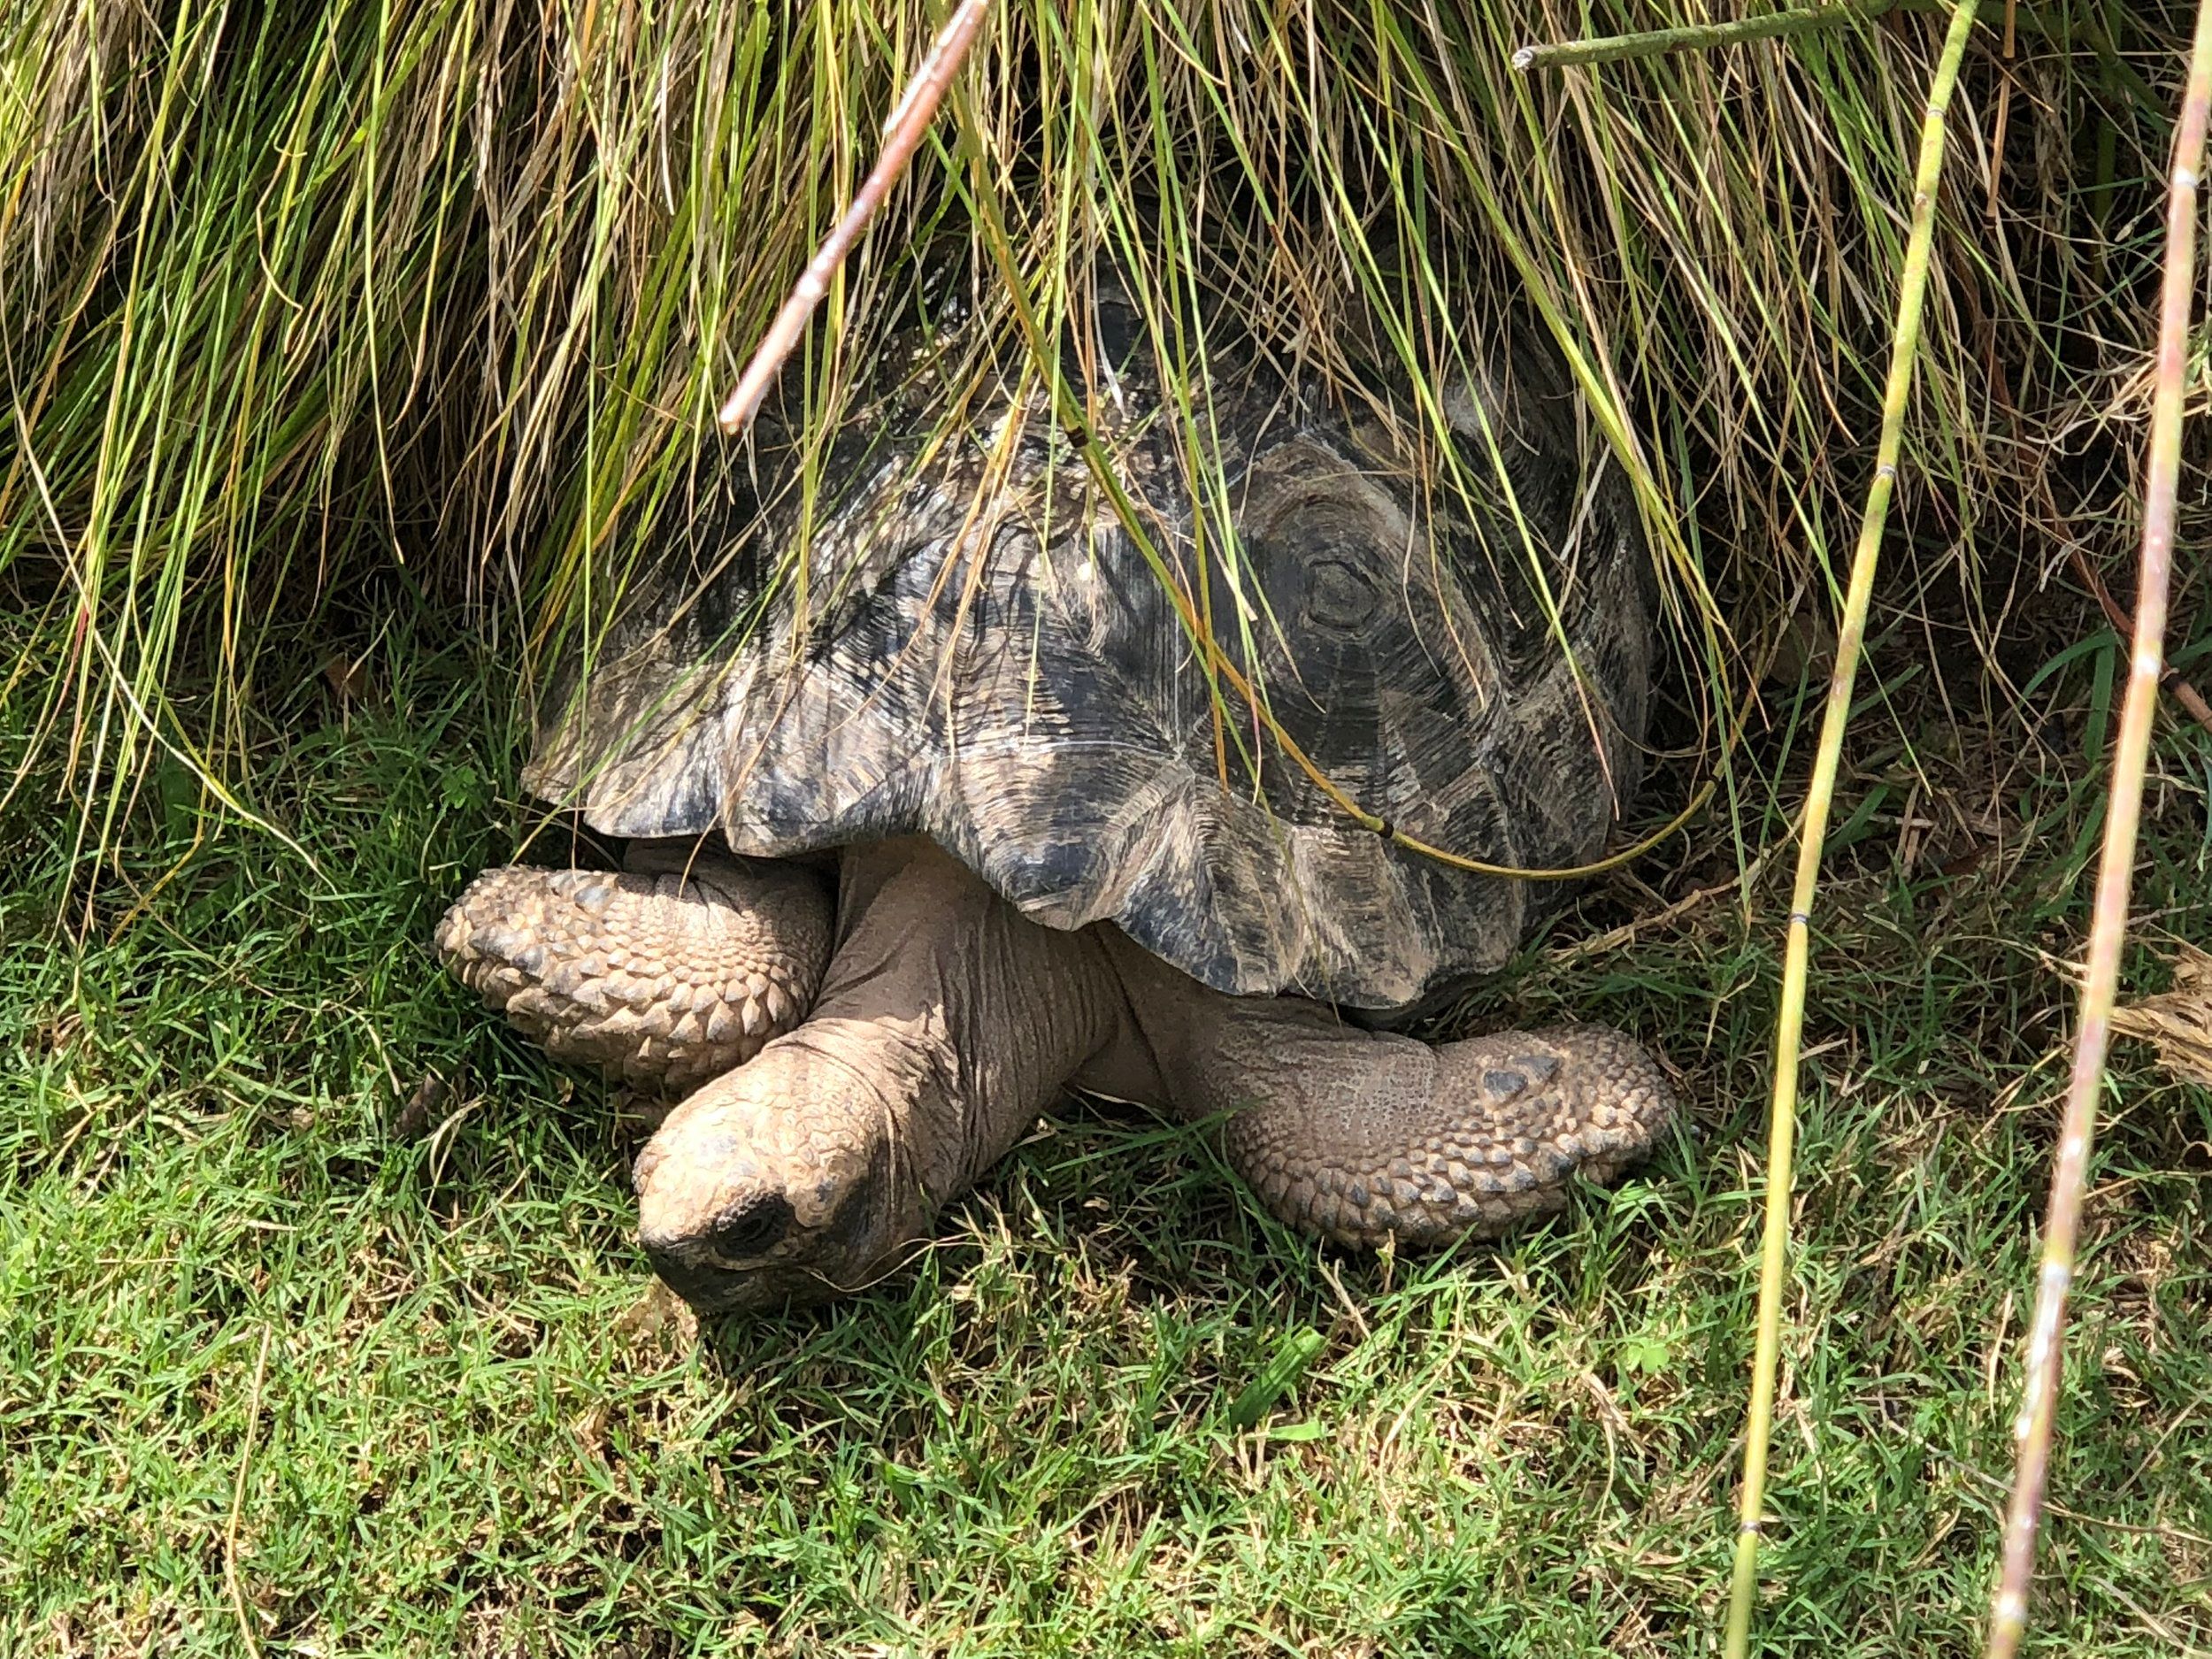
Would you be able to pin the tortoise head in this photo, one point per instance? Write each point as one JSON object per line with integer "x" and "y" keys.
{"x": 790, "y": 1181}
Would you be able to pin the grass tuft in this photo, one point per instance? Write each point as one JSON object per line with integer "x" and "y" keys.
{"x": 478, "y": 1430}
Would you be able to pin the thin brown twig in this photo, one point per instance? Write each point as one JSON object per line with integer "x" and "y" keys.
{"x": 2187, "y": 694}
{"x": 2004, "y": 111}
{"x": 2182, "y": 690}
{"x": 1626, "y": 933}
{"x": 2062, "y": 529}
{"x": 2069, "y": 1173}
{"x": 2169, "y": 1534}
{"x": 903, "y": 132}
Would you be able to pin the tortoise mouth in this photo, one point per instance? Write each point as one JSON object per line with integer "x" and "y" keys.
{"x": 766, "y": 1287}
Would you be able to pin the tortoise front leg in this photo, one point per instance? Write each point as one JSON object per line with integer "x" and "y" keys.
{"x": 1367, "y": 1136}
{"x": 666, "y": 976}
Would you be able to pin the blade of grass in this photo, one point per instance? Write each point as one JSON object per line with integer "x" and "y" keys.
{"x": 1292, "y": 1355}
{"x": 2187, "y": 694}
{"x": 1790, "y": 1021}
{"x": 1614, "y": 48}
{"x": 2070, "y": 1172}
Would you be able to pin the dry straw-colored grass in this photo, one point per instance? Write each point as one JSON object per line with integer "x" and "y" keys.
{"x": 298, "y": 297}
{"x": 2177, "y": 1022}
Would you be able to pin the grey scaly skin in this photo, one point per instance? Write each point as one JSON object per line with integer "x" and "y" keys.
{"x": 945, "y": 1022}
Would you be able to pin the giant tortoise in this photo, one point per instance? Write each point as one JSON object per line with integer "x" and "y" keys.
{"x": 1013, "y": 783}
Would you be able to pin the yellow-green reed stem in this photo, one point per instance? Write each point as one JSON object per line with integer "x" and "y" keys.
{"x": 1790, "y": 1021}
{"x": 1614, "y": 48}
{"x": 2108, "y": 932}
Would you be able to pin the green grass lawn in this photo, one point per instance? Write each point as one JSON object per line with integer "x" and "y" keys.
{"x": 276, "y": 1372}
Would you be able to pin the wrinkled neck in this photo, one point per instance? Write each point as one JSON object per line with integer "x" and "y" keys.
{"x": 968, "y": 1017}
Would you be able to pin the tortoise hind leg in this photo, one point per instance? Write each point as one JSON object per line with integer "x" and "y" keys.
{"x": 1368, "y": 1136}
{"x": 664, "y": 976}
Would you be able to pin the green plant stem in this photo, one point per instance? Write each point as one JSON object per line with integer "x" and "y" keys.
{"x": 2070, "y": 1171}
{"x": 1790, "y": 1021}
{"x": 1613, "y": 49}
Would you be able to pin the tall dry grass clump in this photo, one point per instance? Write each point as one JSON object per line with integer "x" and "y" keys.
{"x": 301, "y": 297}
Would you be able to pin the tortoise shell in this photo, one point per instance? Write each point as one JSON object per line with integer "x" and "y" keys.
{"x": 976, "y": 648}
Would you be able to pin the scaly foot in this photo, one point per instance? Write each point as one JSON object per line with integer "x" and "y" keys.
{"x": 663, "y": 979}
